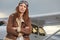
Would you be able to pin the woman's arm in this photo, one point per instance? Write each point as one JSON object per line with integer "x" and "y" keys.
{"x": 27, "y": 29}
{"x": 10, "y": 28}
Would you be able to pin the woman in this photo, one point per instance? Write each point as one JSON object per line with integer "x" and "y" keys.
{"x": 12, "y": 26}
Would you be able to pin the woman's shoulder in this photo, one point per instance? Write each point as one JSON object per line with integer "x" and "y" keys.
{"x": 12, "y": 14}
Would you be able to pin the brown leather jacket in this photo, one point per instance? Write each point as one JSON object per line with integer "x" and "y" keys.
{"x": 13, "y": 34}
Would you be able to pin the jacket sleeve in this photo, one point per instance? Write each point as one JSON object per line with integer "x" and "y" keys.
{"x": 27, "y": 31}
{"x": 30, "y": 26}
{"x": 10, "y": 26}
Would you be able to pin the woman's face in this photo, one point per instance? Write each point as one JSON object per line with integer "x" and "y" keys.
{"x": 22, "y": 8}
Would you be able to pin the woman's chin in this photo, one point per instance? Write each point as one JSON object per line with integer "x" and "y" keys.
{"x": 21, "y": 11}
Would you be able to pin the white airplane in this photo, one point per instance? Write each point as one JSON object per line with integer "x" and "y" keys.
{"x": 50, "y": 23}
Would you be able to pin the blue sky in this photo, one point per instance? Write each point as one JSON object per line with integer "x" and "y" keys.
{"x": 35, "y": 6}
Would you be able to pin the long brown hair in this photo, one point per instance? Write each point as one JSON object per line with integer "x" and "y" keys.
{"x": 25, "y": 15}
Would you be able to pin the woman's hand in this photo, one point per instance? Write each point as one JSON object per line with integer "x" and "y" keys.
{"x": 15, "y": 28}
{"x": 25, "y": 30}
{"x": 26, "y": 27}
